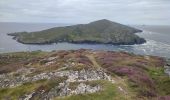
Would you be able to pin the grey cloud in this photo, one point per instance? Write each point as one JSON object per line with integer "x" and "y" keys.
{"x": 83, "y": 11}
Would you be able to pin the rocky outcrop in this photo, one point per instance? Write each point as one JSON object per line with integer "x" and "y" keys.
{"x": 63, "y": 89}
{"x": 167, "y": 67}
{"x": 27, "y": 96}
{"x": 8, "y": 80}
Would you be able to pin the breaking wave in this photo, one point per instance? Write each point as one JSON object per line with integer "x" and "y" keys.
{"x": 152, "y": 47}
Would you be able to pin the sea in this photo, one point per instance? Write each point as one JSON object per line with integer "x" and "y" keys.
{"x": 157, "y": 36}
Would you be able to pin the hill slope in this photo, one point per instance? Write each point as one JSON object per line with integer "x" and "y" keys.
{"x": 82, "y": 75}
{"x": 102, "y": 31}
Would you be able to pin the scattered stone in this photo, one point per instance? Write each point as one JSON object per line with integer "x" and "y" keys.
{"x": 52, "y": 58}
{"x": 64, "y": 90}
{"x": 27, "y": 96}
{"x": 8, "y": 80}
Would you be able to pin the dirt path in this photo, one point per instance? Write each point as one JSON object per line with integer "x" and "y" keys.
{"x": 118, "y": 81}
{"x": 93, "y": 60}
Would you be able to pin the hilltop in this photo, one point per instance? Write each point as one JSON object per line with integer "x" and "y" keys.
{"x": 83, "y": 75}
{"x": 101, "y": 31}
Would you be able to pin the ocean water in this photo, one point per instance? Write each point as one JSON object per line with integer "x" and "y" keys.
{"x": 158, "y": 40}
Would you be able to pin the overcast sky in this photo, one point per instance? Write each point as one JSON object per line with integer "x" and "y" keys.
{"x": 83, "y": 11}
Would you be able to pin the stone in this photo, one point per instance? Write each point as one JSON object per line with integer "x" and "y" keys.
{"x": 167, "y": 70}
{"x": 82, "y": 76}
{"x": 27, "y": 96}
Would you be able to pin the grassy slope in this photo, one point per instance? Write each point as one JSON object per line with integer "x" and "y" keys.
{"x": 27, "y": 88}
{"x": 15, "y": 93}
{"x": 151, "y": 67}
{"x": 12, "y": 61}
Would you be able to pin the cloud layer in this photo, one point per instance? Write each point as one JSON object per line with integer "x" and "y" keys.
{"x": 83, "y": 11}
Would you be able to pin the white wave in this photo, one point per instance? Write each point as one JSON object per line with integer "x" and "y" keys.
{"x": 152, "y": 47}
{"x": 149, "y": 32}
{"x": 157, "y": 44}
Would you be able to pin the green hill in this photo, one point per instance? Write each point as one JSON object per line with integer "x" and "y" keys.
{"x": 102, "y": 31}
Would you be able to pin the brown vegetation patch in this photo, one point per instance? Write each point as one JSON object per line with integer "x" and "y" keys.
{"x": 164, "y": 98}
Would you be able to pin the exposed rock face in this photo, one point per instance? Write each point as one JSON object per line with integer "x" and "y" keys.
{"x": 167, "y": 67}
{"x": 167, "y": 70}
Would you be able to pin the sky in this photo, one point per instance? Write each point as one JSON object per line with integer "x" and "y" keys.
{"x": 143, "y": 12}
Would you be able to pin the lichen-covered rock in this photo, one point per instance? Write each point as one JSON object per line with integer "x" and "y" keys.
{"x": 64, "y": 90}
{"x": 83, "y": 88}
{"x": 8, "y": 80}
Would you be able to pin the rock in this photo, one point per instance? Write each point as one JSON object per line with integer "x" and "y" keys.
{"x": 27, "y": 96}
{"x": 52, "y": 58}
{"x": 73, "y": 76}
{"x": 8, "y": 80}
{"x": 168, "y": 62}
{"x": 49, "y": 63}
{"x": 167, "y": 70}
{"x": 167, "y": 67}
{"x": 83, "y": 88}
{"x": 63, "y": 89}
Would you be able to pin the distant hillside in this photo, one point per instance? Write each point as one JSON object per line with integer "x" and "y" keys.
{"x": 102, "y": 31}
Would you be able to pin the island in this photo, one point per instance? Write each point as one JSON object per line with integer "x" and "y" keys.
{"x": 97, "y": 32}
{"x": 83, "y": 75}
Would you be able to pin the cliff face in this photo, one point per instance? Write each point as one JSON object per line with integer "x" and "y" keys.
{"x": 83, "y": 75}
{"x": 102, "y": 31}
